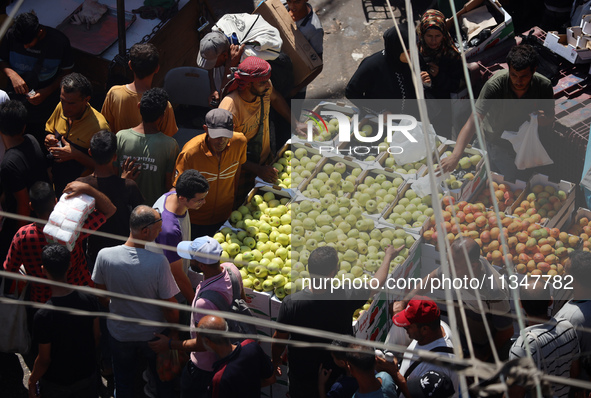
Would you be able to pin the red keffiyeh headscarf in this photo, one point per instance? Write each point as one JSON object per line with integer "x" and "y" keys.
{"x": 433, "y": 19}
{"x": 252, "y": 69}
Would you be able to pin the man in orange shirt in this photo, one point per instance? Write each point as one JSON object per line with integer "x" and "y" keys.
{"x": 218, "y": 155}
{"x": 121, "y": 104}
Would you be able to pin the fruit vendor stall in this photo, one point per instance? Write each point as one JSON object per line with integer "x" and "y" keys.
{"x": 96, "y": 41}
{"x": 361, "y": 206}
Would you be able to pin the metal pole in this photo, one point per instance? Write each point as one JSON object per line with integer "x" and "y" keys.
{"x": 121, "y": 27}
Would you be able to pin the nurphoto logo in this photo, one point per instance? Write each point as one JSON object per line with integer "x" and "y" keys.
{"x": 394, "y": 123}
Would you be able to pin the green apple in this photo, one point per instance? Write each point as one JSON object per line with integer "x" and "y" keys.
{"x": 250, "y": 242}
{"x": 356, "y": 271}
{"x": 289, "y": 288}
{"x": 281, "y": 252}
{"x": 261, "y": 271}
{"x": 273, "y": 268}
{"x": 350, "y": 256}
{"x": 283, "y": 239}
{"x": 280, "y": 292}
{"x": 278, "y": 280}
{"x": 251, "y": 267}
{"x": 233, "y": 249}
{"x": 268, "y": 285}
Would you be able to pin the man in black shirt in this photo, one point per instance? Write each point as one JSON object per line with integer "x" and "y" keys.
{"x": 241, "y": 369}
{"x": 123, "y": 192}
{"x": 66, "y": 364}
{"x": 35, "y": 58}
{"x": 320, "y": 309}
{"x": 23, "y": 164}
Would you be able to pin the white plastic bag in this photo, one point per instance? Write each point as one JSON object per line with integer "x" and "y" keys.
{"x": 262, "y": 40}
{"x": 526, "y": 142}
{"x": 413, "y": 151}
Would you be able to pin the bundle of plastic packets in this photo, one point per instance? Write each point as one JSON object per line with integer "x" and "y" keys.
{"x": 67, "y": 218}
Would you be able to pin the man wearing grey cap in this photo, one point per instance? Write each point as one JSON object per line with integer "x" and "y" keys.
{"x": 206, "y": 252}
{"x": 233, "y": 38}
{"x": 218, "y": 155}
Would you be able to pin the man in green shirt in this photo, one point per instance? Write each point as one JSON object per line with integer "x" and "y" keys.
{"x": 505, "y": 102}
{"x": 153, "y": 153}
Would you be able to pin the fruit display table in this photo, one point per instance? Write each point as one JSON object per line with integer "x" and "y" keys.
{"x": 359, "y": 206}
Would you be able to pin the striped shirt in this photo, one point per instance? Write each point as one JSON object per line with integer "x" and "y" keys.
{"x": 554, "y": 346}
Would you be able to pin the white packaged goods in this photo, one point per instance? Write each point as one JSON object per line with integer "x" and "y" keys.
{"x": 71, "y": 226}
{"x": 57, "y": 218}
{"x": 67, "y": 219}
{"x": 66, "y": 238}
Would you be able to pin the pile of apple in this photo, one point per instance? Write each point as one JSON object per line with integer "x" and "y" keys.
{"x": 377, "y": 192}
{"x": 334, "y": 178}
{"x": 340, "y": 224}
{"x": 262, "y": 250}
{"x": 331, "y": 131}
{"x": 371, "y": 155}
{"x": 582, "y": 229}
{"x": 283, "y": 167}
{"x": 409, "y": 168}
{"x": 411, "y": 211}
{"x": 505, "y": 197}
{"x": 543, "y": 200}
{"x": 303, "y": 163}
{"x": 360, "y": 311}
{"x": 532, "y": 248}
{"x": 464, "y": 170}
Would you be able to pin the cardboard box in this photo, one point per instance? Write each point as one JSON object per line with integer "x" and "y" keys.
{"x": 559, "y": 44}
{"x": 305, "y": 60}
{"x": 374, "y": 323}
{"x": 383, "y": 157}
{"x": 574, "y": 219}
{"x": 386, "y": 214}
{"x": 279, "y": 193}
{"x": 260, "y": 307}
{"x": 410, "y": 268}
{"x": 568, "y": 206}
{"x": 329, "y": 146}
{"x": 259, "y": 303}
{"x": 501, "y": 32}
{"x": 311, "y": 151}
{"x": 499, "y": 179}
{"x": 349, "y": 163}
{"x": 469, "y": 188}
{"x": 390, "y": 176}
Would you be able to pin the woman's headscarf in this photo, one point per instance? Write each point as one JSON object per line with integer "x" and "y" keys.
{"x": 433, "y": 19}
{"x": 252, "y": 69}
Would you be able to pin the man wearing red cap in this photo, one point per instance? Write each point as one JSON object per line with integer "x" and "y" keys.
{"x": 421, "y": 320}
{"x": 495, "y": 299}
{"x": 249, "y": 96}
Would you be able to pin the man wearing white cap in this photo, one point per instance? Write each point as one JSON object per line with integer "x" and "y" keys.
{"x": 205, "y": 251}
{"x": 218, "y": 155}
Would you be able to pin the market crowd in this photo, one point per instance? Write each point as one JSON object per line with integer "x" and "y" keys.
{"x": 147, "y": 189}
